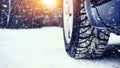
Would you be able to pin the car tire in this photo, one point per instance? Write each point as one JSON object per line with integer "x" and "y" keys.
{"x": 82, "y": 40}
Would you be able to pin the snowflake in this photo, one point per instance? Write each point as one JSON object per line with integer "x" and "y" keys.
{"x": 113, "y": 20}
{"x": 118, "y": 50}
{"x": 5, "y": 6}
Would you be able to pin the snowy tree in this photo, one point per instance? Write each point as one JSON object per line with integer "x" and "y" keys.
{"x": 3, "y": 12}
{"x": 27, "y": 14}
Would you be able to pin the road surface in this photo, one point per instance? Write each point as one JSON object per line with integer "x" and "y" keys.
{"x": 44, "y": 48}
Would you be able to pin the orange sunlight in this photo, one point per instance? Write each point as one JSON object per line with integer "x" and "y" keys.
{"x": 50, "y": 3}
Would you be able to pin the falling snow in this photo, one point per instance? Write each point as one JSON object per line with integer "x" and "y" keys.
{"x": 28, "y": 12}
{"x": 118, "y": 50}
{"x": 5, "y": 6}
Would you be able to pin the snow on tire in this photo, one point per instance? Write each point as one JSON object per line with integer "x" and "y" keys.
{"x": 81, "y": 39}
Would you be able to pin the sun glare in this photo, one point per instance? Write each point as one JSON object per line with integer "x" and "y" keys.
{"x": 50, "y": 3}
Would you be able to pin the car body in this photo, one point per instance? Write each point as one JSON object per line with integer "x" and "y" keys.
{"x": 104, "y": 14}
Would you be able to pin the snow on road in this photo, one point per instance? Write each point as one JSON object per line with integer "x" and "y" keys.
{"x": 42, "y": 48}
{"x": 114, "y": 39}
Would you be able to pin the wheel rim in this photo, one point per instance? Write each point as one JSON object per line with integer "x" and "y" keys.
{"x": 68, "y": 19}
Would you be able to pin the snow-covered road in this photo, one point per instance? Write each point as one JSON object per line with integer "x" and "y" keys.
{"x": 42, "y": 48}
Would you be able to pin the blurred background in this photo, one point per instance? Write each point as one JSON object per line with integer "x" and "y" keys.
{"x": 19, "y": 14}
